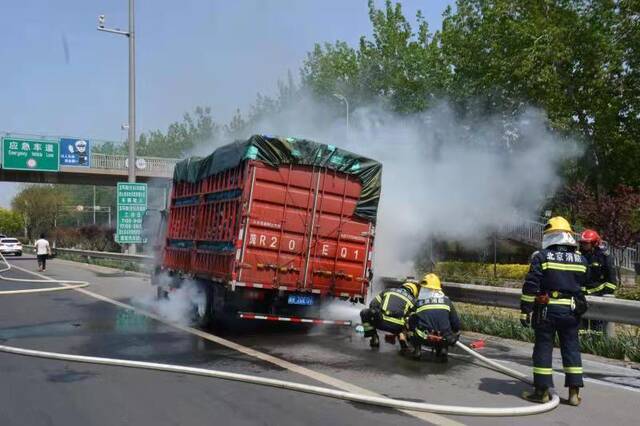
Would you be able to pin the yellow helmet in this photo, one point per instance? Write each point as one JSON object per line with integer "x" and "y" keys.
{"x": 557, "y": 224}
{"x": 412, "y": 287}
{"x": 431, "y": 281}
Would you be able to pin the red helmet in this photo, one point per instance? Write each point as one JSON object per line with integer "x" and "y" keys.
{"x": 590, "y": 236}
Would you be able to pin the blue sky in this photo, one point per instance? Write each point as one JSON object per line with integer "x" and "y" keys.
{"x": 189, "y": 52}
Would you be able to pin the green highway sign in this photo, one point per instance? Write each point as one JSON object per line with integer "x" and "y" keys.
{"x": 132, "y": 205}
{"x": 30, "y": 154}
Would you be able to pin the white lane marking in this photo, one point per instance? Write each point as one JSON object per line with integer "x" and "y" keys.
{"x": 320, "y": 377}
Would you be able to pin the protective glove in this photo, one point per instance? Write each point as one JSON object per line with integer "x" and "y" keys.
{"x": 525, "y": 319}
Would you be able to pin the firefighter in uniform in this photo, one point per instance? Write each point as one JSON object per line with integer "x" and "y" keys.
{"x": 552, "y": 303}
{"x": 387, "y": 312}
{"x": 434, "y": 321}
{"x": 602, "y": 274}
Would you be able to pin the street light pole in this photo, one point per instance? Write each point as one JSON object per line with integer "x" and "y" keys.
{"x": 132, "y": 94}
{"x": 346, "y": 102}
{"x": 132, "y": 91}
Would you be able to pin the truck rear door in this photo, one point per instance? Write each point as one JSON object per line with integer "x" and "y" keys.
{"x": 301, "y": 233}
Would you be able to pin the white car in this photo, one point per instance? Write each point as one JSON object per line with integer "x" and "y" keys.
{"x": 10, "y": 246}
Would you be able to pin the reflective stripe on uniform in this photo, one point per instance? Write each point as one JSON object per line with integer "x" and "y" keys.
{"x": 564, "y": 267}
{"x": 612, "y": 286}
{"x": 573, "y": 370}
{"x": 388, "y": 296}
{"x": 433, "y": 306}
{"x": 542, "y": 370}
{"x": 567, "y": 302}
{"x": 528, "y": 299}
{"x": 421, "y": 334}
{"x": 367, "y": 326}
{"x": 394, "y": 320}
{"x": 595, "y": 289}
{"x": 379, "y": 299}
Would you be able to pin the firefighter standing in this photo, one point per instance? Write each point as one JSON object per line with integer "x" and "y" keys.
{"x": 602, "y": 274}
{"x": 387, "y": 313}
{"x": 552, "y": 303}
{"x": 434, "y": 322}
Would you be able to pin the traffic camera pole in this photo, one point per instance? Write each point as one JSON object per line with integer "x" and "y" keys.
{"x": 132, "y": 92}
{"x": 132, "y": 102}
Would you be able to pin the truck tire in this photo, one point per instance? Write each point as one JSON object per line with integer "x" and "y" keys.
{"x": 202, "y": 314}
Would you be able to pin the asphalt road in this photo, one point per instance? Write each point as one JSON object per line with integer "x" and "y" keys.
{"x": 46, "y": 392}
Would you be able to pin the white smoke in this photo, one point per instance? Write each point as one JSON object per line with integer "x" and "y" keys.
{"x": 442, "y": 176}
{"x": 178, "y": 306}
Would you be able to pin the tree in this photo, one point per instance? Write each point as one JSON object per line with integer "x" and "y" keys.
{"x": 181, "y": 137}
{"x": 39, "y": 206}
{"x": 616, "y": 215}
{"x": 397, "y": 67}
{"x": 10, "y": 222}
{"x": 577, "y": 59}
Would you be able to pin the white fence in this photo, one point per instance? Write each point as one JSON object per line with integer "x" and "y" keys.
{"x": 530, "y": 232}
{"x": 152, "y": 165}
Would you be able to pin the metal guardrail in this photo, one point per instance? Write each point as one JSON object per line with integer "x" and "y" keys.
{"x": 601, "y": 308}
{"x": 163, "y": 166}
{"x": 139, "y": 258}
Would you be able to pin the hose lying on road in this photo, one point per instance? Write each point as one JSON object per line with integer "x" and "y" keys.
{"x": 300, "y": 387}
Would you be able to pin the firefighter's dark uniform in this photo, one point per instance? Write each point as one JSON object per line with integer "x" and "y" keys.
{"x": 434, "y": 316}
{"x": 602, "y": 281}
{"x": 558, "y": 272}
{"x": 387, "y": 311}
{"x": 602, "y": 273}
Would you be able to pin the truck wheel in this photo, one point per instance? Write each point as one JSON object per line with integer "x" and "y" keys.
{"x": 202, "y": 316}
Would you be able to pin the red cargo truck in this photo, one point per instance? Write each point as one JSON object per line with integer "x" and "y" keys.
{"x": 272, "y": 228}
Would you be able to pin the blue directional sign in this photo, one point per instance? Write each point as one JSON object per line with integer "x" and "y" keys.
{"x": 75, "y": 152}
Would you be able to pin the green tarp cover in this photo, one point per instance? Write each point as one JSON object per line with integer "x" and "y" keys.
{"x": 276, "y": 151}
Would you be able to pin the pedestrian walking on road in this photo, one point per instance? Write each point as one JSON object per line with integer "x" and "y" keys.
{"x": 552, "y": 304}
{"x": 43, "y": 250}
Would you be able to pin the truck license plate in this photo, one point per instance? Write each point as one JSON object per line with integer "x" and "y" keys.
{"x": 295, "y": 299}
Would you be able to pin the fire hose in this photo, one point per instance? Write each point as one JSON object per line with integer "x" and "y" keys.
{"x": 281, "y": 384}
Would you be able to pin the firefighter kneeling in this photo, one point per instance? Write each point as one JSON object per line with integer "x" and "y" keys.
{"x": 387, "y": 312}
{"x": 434, "y": 322}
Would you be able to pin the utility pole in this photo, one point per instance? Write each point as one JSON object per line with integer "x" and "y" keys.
{"x": 132, "y": 91}
{"x": 94, "y": 205}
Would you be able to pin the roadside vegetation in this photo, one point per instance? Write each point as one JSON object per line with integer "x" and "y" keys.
{"x": 502, "y": 322}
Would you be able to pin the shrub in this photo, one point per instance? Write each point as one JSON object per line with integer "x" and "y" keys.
{"x": 632, "y": 293}
{"x": 480, "y": 273}
{"x": 626, "y": 345}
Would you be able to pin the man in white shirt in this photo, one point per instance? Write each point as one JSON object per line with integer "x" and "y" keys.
{"x": 43, "y": 250}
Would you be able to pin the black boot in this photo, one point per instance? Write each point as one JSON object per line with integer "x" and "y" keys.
{"x": 404, "y": 348}
{"x": 417, "y": 351}
{"x": 442, "y": 355}
{"x": 375, "y": 341}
